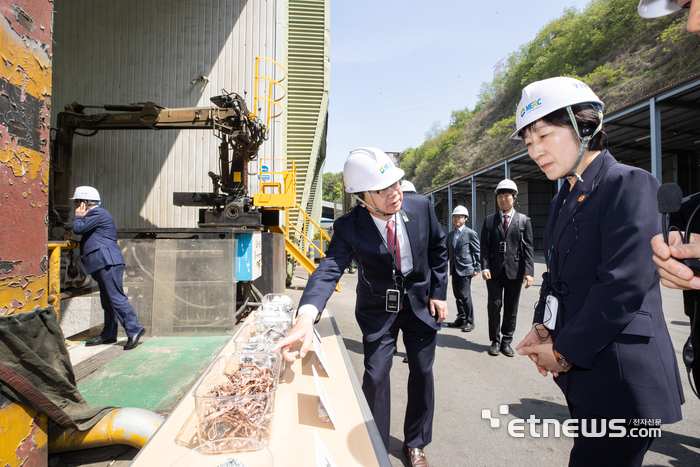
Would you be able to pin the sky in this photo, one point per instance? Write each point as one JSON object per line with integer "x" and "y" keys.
{"x": 400, "y": 67}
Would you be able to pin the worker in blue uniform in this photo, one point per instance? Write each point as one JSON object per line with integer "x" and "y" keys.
{"x": 599, "y": 326}
{"x": 101, "y": 257}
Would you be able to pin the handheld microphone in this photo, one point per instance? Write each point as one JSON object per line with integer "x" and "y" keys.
{"x": 669, "y": 198}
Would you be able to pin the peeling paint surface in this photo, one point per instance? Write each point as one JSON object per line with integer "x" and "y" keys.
{"x": 24, "y": 432}
{"x": 25, "y": 110}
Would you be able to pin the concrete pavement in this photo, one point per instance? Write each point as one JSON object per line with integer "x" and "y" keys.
{"x": 468, "y": 380}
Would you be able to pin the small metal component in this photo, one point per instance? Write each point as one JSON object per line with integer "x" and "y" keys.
{"x": 232, "y": 463}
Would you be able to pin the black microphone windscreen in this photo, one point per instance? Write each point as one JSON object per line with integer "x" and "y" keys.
{"x": 669, "y": 197}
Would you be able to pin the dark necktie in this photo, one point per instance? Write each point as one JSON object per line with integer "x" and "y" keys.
{"x": 390, "y": 237}
{"x": 505, "y": 222}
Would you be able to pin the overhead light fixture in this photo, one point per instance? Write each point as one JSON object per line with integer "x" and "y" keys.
{"x": 643, "y": 138}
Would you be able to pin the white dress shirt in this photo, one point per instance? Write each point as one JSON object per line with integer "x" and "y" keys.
{"x": 404, "y": 246}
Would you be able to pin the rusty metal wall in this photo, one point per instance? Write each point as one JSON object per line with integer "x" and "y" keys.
{"x": 134, "y": 51}
{"x": 25, "y": 100}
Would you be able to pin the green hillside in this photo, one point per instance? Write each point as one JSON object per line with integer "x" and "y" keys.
{"x": 620, "y": 55}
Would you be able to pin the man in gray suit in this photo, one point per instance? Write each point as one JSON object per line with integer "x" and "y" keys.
{"x": 507, "y": 264}
{"x": 464, "y": 254}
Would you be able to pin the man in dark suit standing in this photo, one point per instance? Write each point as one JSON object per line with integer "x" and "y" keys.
{"x": 507, "y": 262}
{"x": 400, "y": 251}
{"x": 101, "y": 257}
{"x": 463, "y": 251}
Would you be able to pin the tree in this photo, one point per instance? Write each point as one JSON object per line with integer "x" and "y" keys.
{"x": 332, "y": 187}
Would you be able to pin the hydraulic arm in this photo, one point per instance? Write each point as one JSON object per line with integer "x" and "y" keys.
{"x": 241, "y": 135}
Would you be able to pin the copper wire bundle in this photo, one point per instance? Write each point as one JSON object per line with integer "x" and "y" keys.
{"x": 242, "y": 409}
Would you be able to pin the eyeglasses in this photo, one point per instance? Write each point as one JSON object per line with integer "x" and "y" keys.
{"x": 384, "y": 192}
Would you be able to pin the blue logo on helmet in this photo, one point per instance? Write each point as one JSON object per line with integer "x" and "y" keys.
{"x": 531, "y": 106}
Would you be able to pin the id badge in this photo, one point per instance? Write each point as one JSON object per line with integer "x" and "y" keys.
{"x": 550, "y": 312}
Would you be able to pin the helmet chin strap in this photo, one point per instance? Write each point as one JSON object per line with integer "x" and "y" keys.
{"x": 584, "y": 143}
{"x": 362, "y": 201}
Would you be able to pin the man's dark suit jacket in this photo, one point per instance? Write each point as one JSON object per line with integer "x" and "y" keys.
{"x": 465, "y": 256}
{"x": 610, "y": 323}
{"x": 520, "y": 254}
{"x": 356, "y": 236}
{"x": 98, "y": 245}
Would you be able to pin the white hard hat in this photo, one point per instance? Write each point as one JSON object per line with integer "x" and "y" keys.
{"x": 541, "y": 98}
{"x": 407, "y": 187}
{"x": 369, "y": 169}
{"x": 460, "y": 211}
{"x": 87, "y": 193}
{"x": 507, "y": 185}
{"x": 656, "y": 8}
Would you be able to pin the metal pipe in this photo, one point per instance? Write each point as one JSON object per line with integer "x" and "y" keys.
{"x": 130, "y": 426}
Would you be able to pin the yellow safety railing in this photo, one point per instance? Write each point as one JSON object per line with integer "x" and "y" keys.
{"x": 271, "y": 87}
{"x": 276, "y": 194}
{"x": 304, "y": 238}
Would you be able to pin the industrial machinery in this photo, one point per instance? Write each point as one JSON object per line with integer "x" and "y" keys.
{"x": 240, "y": 132}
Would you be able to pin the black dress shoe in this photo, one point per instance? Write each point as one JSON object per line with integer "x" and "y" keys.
{"x": 495, "y": 348}
{"x": 507, "y": 350}
{"x": 469, "y": 327}
{"x": 458, "y": 323}
{"x": 133, "y": 341}
{"x": 99, "y": 341}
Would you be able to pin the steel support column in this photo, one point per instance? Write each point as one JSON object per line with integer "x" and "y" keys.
{"x": 449, "y": 208}
{"x": 655, "y": 130}
{"x": 473, "y": 203}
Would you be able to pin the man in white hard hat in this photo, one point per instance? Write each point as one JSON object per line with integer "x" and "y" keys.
{"x": 407, "y": 187}
{"x": 465, "y": 262}
{"x": 399, "y": 248}
{"x": 657, "y": 8}
{"x": 507, "y": 264}
{"x": 101, "y": 257}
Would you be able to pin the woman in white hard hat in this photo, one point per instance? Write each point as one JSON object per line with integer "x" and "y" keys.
{"x": 400, "y": 250}
{"x": 599, "y": 325}
{"x": 101, "y": 257}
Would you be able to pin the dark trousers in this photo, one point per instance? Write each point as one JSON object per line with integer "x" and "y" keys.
{"x": 420, "y": 341}
{"x": 605, "y": 451}
{"x": 462, "y": 290}
{"x": 115, "y": 304}
{"x": 503, "y": 293}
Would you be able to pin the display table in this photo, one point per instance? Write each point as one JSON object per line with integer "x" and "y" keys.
{"x": 354, "y": 441}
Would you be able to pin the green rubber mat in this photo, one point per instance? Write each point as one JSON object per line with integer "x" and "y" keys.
{"x": 153, "y": 376}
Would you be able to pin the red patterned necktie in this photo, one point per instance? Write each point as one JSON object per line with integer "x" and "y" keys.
{"x": 390, "y": 236}
{"x": 505, "y": 222}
